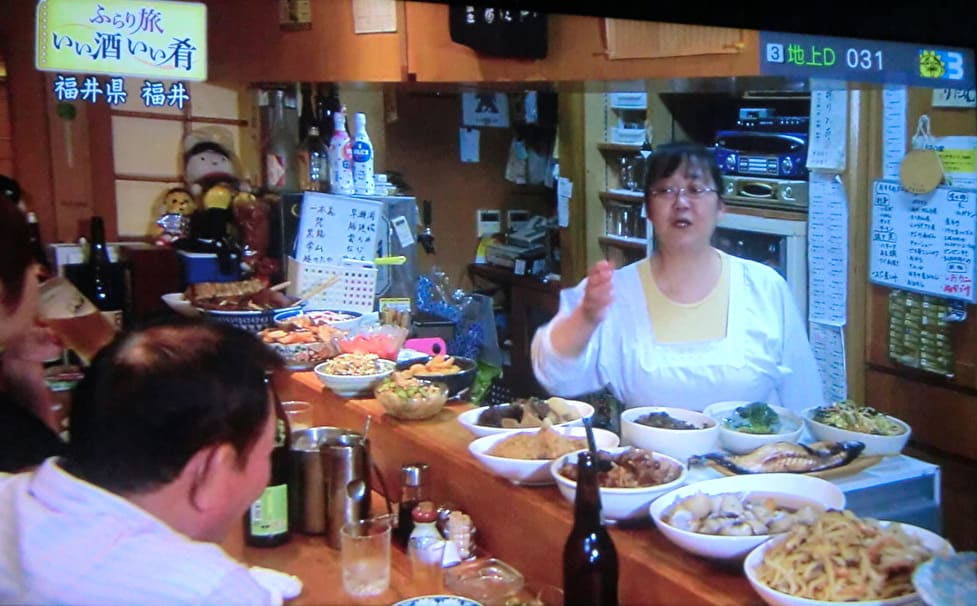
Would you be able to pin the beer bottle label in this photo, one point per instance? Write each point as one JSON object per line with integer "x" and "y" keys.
{"x": 269, "y": 514}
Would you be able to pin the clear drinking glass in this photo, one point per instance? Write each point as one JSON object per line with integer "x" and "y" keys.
{"x": 299, "y": 414}
{"x": 73, "y": 318}
{"x": 365, "y": 554}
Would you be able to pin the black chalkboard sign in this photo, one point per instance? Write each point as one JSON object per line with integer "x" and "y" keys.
{"x": 499, "y": 32}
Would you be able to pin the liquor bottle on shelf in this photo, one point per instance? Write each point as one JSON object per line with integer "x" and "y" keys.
{"x": 590, "y": 570}
{"x": 266, "y": 521}
{"x": 362, "y": 158}
{"x": 104, "y": 289}
{"x": 307, "y": 117}
{"x": 279, "y": 149}
{"x": 340, "y": 157}
{"x": 37, "y": 245}
{"x": 312, "y": 161}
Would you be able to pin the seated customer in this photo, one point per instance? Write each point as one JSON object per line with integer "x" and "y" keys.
{"x": 171, "y": 432}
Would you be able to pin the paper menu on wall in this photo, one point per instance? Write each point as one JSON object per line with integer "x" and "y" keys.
{"x": 826, "y": 148}
{"x": 894, "y": 107}
{"x": 924, "y": 243}
{"x": 333, "y": 228}
{"x": 828, "y": 344}
{"x": 827, "y": 249}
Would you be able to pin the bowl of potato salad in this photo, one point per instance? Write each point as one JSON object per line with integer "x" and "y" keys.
{"x": 353, "y": 375}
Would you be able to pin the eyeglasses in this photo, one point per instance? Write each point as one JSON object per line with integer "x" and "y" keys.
{"x": 691, "y": 193}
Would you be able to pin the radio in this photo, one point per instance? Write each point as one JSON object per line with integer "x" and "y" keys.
{"x": 762, "y": 153}
{"x": 770, "y": 193}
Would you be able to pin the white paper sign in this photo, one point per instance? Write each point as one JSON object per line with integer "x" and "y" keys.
{"x": 468, "y": 141}
{"x": 333, "y": 228}
{"x": 894, "y": 103}
{"x": 924, "y": 243}
{"x": 827, "y": 249}
{"x": 954, "y": 97}
{"x": 828, "y": 344}
{"x": 485, "y": 109}
{"x": 828, "y": 125}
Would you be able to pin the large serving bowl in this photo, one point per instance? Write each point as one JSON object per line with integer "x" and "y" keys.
{"x": 337, "y": 318}
{"x": 178, "y": 302}
{"x": 741, "y": 442}
{"x": 410, "y": 398}
{"x": 678, "y": 443}
{"x": 530, "y": 471}
{"x": 459, "y": 383}
{"x": 352, "y": 385}
{"x": 250, "y": 320}
{"x": 931, "y": 540}
{"x": 875, "y": 445}
{"x": 791, "y": 490}
{"x": 469, "y": 418}
{"x": 620, "y": 503}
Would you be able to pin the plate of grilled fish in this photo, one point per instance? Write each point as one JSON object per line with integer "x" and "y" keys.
{"x": 821, "y": 459}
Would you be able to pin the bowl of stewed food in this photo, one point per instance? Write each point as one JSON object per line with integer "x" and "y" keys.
{"x": 524, "y": 413}
{"x": 846, "y": 420}
{"x": 726, "y": 518}
{"x": 677, "y": 432}
{"x": 629, "y": 479}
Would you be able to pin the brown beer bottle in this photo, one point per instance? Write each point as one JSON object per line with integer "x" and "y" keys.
{"x": 589, "y": 558}
{"x": 266, "y": 521}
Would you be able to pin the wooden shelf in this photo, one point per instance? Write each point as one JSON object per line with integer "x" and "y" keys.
{"x": 611, "y": 196}
{"x": 636, "y": 244}
{"x": 618, "y": 147}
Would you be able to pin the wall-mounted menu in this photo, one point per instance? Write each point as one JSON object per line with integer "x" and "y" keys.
{"x": 924, "y": 243}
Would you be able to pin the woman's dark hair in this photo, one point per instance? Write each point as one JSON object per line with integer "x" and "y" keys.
{"x": 154, "y": 397}
{"x": 667, "y": 158}
{"x": 15, "y": 253}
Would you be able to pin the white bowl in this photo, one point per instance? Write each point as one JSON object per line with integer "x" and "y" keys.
{"x": 350, "y": 386}
{"x": 740, "y": 442}
{"x": 530, "y": 471}
{"x": 469, "y": 419}
{"x": 875, "y": 445}
{"x": 931, "y": 540}
{"x": 790, "y": 489}
{"x": 678, "y": 443}
{"x": 619, "y": 503}
{"x": 179, "y": 303}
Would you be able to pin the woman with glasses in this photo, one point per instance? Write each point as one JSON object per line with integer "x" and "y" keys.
{"x": 689, "y": 325}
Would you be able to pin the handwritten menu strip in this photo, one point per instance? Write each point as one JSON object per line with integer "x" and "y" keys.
{"x": 924, "y": 243}
{"x": 828, "y": 125}
{"x": 828, "y": 345}
{"x": 894, "y": 108}
{"x": 827, "y": 249}
{"x": 333, "y": 228}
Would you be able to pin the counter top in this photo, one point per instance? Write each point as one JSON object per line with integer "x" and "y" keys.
{"x": 524, "y": 526}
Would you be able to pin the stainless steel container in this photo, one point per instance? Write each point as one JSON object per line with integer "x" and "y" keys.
{"x": 323, "y": 462}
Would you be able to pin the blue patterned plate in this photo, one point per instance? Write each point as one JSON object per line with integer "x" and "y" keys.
{"x": 438, "y": 600}
{"x": 948, "y": 580}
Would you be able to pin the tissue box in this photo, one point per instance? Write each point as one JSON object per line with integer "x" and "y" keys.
{"x": 203, "y": 267}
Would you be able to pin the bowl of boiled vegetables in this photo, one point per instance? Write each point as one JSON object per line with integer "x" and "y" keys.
{"x": 746, "y": 426}
{"x": 847, "y": 420}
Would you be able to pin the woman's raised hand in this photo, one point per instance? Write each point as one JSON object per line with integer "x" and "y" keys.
{"x": 598, "y": 293}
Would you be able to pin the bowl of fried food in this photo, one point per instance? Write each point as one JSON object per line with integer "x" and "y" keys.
{"x": 302, "y": 348}
{"x": 524, "y": 457}
{"x": 247, "y": 304}
{"x": 353, "y": 375}
{"x": 847, "y": 421}
{"x": 457, "y": 372}
{"x": 524, "y": 413}
{"x": 629, "y": 478}
{"x": 404, "y": 396}
{"x": 843, "y": 559}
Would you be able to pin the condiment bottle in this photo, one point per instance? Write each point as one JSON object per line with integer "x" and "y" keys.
{"x": 425, "y": 548}
{"x": 425, "y": 518}
{"x": 413, "y": 490}
{"x": 590, "y": 571}
{"x": 266, "y": 521}
{"x": 362, "y": 157}
{"x": 340, "y": 157}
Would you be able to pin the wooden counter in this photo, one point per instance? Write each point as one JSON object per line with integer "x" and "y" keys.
{"x": 524, "y": 526}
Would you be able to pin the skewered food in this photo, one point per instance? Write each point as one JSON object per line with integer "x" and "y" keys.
{"x": 243, "y": 295}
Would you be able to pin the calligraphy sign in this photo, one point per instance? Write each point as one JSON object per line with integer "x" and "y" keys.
{"x": 336, "y": 228}
{"x": 152, "y": 38}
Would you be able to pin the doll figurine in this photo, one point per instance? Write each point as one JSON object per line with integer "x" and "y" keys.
{"x": 174, "y": 222}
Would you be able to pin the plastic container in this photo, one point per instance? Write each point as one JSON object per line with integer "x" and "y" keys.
{"x": 488, "y": 581}
{"x": 203, "y": 267}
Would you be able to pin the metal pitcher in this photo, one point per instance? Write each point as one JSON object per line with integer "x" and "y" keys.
{"x": 323, "y": 462}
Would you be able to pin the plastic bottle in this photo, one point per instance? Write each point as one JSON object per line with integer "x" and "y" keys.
{"x": 312, "y": 158}
{"x": 362, "y": 158}
{"x": 266, "y": 521}
{"x": 590, "y": 569}
{"x": 340, "y": 157}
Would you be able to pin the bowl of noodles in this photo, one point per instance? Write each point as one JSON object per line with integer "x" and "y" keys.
{"x": 846, "y": 421}
{"x": 842, "y": 559}
{"x": 524, "y": 457}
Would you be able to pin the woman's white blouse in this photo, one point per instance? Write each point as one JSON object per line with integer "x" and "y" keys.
{"x": 765, "y": 355}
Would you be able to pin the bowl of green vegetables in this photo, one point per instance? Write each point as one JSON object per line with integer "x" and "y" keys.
{"x": 746, "y": 426}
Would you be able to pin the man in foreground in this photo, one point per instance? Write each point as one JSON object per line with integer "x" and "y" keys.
{"x": 171, "y": 432}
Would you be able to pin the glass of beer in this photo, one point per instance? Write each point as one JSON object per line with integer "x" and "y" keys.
{"x": 74, "y": 319}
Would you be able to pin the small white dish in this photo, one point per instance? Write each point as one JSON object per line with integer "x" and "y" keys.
{"x": 179, "y": 303}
